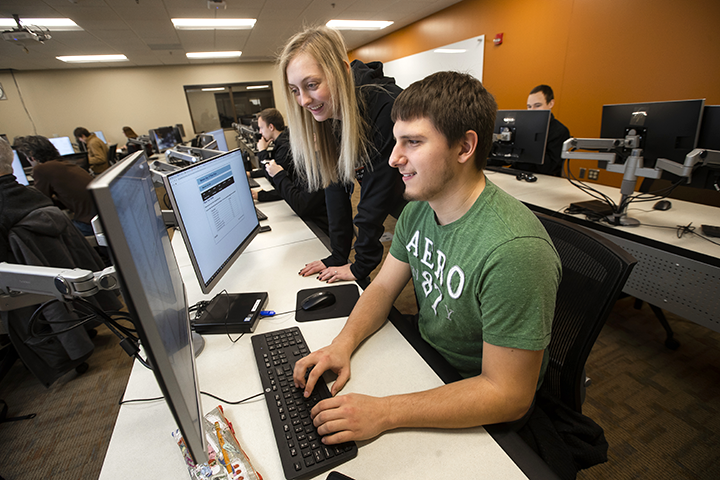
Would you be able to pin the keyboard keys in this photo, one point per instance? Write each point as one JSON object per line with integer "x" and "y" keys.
{"x": 299, "y": 445}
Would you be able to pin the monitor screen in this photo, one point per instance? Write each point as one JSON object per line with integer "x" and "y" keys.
{"x": 18, "y": 169}
{"x": 165, "y": 138}
{"x": 709, "y": 138}
{"x": 100, "y": 135}
{"x": 215, "y": 212}
{"x": 219, "y": 136}
{"x": 520, "y": 136}
{"x": 152, "y": 288}
{"x": 63, "y": 145}
{"x": 667, "y": 129}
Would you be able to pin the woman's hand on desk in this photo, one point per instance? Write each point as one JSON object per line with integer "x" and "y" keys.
{"x": 328, "y": 274}
{"x": 351, "y": 417}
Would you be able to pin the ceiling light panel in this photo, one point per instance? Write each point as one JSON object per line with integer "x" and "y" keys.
{"x": 228, "y": 54}
{"x": 213, "y": 23}
{"x": 92, "y": 58}
{"x": 52, "y": 24}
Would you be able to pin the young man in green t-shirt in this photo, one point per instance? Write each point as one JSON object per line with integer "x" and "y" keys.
{"x": 484, "y": 269}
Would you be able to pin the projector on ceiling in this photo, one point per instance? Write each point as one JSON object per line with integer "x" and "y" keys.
{"x": 23, "y": 35}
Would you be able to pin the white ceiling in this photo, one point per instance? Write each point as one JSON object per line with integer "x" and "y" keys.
{"x": 142, "y": 30}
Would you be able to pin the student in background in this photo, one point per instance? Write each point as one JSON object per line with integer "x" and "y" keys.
{"x": 543, "y": 98}
{"x": 342, "y": 112}
{"x": 62, "y": 181}
{"x": 96, "y": 148}
{"x": 281, "y": 172}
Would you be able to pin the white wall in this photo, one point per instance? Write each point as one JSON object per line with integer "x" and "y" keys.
{"x": 107, "y": 99}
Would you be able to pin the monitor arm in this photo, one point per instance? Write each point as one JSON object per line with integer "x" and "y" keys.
{"x": 609, "y": 152}
{"x": 25, "y": 285}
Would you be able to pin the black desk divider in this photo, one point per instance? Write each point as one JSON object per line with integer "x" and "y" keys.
{"x": 345, "y": 298}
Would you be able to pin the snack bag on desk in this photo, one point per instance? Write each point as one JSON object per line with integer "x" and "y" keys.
{"x": 227, "y": 460}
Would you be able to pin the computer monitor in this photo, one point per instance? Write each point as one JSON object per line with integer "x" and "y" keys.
{"x": 18, "y": 169}
{"x": 207, "y": 141}
{"x": 219, "y": 136}
{"x": 63, "y": 144}
{"x": 100, "y": 135}
{"x": 667, "y": 129}
{"x": 152, "y": 288}
{"x": 165, "y": 137}
{"x": 709, "y": 137}
{"x": 520, "y": 136}
{"x": 214, "y": 209}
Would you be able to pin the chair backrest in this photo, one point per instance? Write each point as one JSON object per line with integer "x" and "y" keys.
{"x": 112, "y": 149}
{"x": 594, "y": 271}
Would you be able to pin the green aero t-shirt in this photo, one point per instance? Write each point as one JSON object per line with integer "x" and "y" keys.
{"x": 491, "y": 276}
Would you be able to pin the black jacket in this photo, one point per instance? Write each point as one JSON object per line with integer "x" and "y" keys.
{"x": 290, "y": 187}
{"x": 381, "y": 185}
{"x": 36, "y": 233}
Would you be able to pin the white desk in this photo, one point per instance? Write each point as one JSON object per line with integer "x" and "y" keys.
{"x": 681, "y": 275}
{"x": 142, "y": 448}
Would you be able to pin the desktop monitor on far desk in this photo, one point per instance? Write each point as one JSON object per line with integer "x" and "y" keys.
{"x": 63, "y": 144}
{"x": 520, "y": 136}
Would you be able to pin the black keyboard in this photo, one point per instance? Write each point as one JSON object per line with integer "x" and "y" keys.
{"x": 260, "y": 215}
{"x": 301, "y": 452}
{"x": 253, "y": 183}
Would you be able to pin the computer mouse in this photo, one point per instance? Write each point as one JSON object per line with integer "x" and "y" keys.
{"x": 528, "y": 177}
{"x": 318, "y": 300}
{"x": 663, "y": 205}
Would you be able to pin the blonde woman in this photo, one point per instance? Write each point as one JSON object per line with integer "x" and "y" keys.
{"x": 339, "y": 114}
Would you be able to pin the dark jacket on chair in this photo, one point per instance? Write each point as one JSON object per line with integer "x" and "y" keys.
{"x": 47, "y": 237}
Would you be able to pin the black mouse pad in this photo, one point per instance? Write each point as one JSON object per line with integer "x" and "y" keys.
{"x": 345, "y": 298}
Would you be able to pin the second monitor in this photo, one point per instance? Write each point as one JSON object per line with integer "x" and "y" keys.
{"x": 520, "y": 136}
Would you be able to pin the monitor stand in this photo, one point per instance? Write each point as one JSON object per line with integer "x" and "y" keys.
{"x": 231, "y": 313}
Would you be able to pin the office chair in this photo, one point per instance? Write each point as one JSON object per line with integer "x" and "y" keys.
{"x": 594, "y": 271}
{"x": 111, "y": 155}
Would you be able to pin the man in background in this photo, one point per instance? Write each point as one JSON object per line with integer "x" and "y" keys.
{"x": 96, "y": 148}
{"x": 61, "y": 181}
{"x": 543, "y": 98}
{"x": 280, "y": 171}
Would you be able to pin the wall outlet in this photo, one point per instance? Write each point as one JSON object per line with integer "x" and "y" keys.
{"x": 582, "y": 172}
{"x": 593, "y": 174}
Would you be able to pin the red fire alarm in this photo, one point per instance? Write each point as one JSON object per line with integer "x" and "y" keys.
{"x": 498, "y": 39}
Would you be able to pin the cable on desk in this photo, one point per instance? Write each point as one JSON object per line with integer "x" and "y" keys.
{"x": 682, "y": 230}
{"x": 154, "y": 399}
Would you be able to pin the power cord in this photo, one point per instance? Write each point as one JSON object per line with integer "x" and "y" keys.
{"x": 154, "y": 399}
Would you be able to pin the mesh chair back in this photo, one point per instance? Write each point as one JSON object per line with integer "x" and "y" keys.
{"x": 594, "y": 271}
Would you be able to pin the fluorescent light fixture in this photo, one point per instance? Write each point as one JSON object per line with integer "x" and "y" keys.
{"x": 257, "y": 87}
{"x": 214, "y": 89}
{"x": 52, "y": 24}
{"x": 213, "y": 23}
{"x": 450, "y": 50}
{"x": 358, "y": 24}
{"x": 229, "y": 54}
{"x": 93, "y": 58}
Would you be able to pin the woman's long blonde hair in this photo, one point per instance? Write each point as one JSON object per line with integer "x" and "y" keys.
{"x": 316, "y": 154}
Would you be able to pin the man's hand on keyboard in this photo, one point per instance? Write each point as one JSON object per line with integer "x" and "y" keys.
{"x": 351, "y": 417}
{"x": 333, "y": 357}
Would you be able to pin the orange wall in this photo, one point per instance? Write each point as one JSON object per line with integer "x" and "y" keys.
{"x": 592, "y": 52}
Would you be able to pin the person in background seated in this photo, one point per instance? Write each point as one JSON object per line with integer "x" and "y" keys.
{"x": 543, "y": 98}
{"x": 16, "y": 200}
{"x": 281, "y": 172}
{"x": 485, "y": 273}
{"x": 129, "y": 148}
{"x": 96, "y": 148}
{"x": 59, "y": 180}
